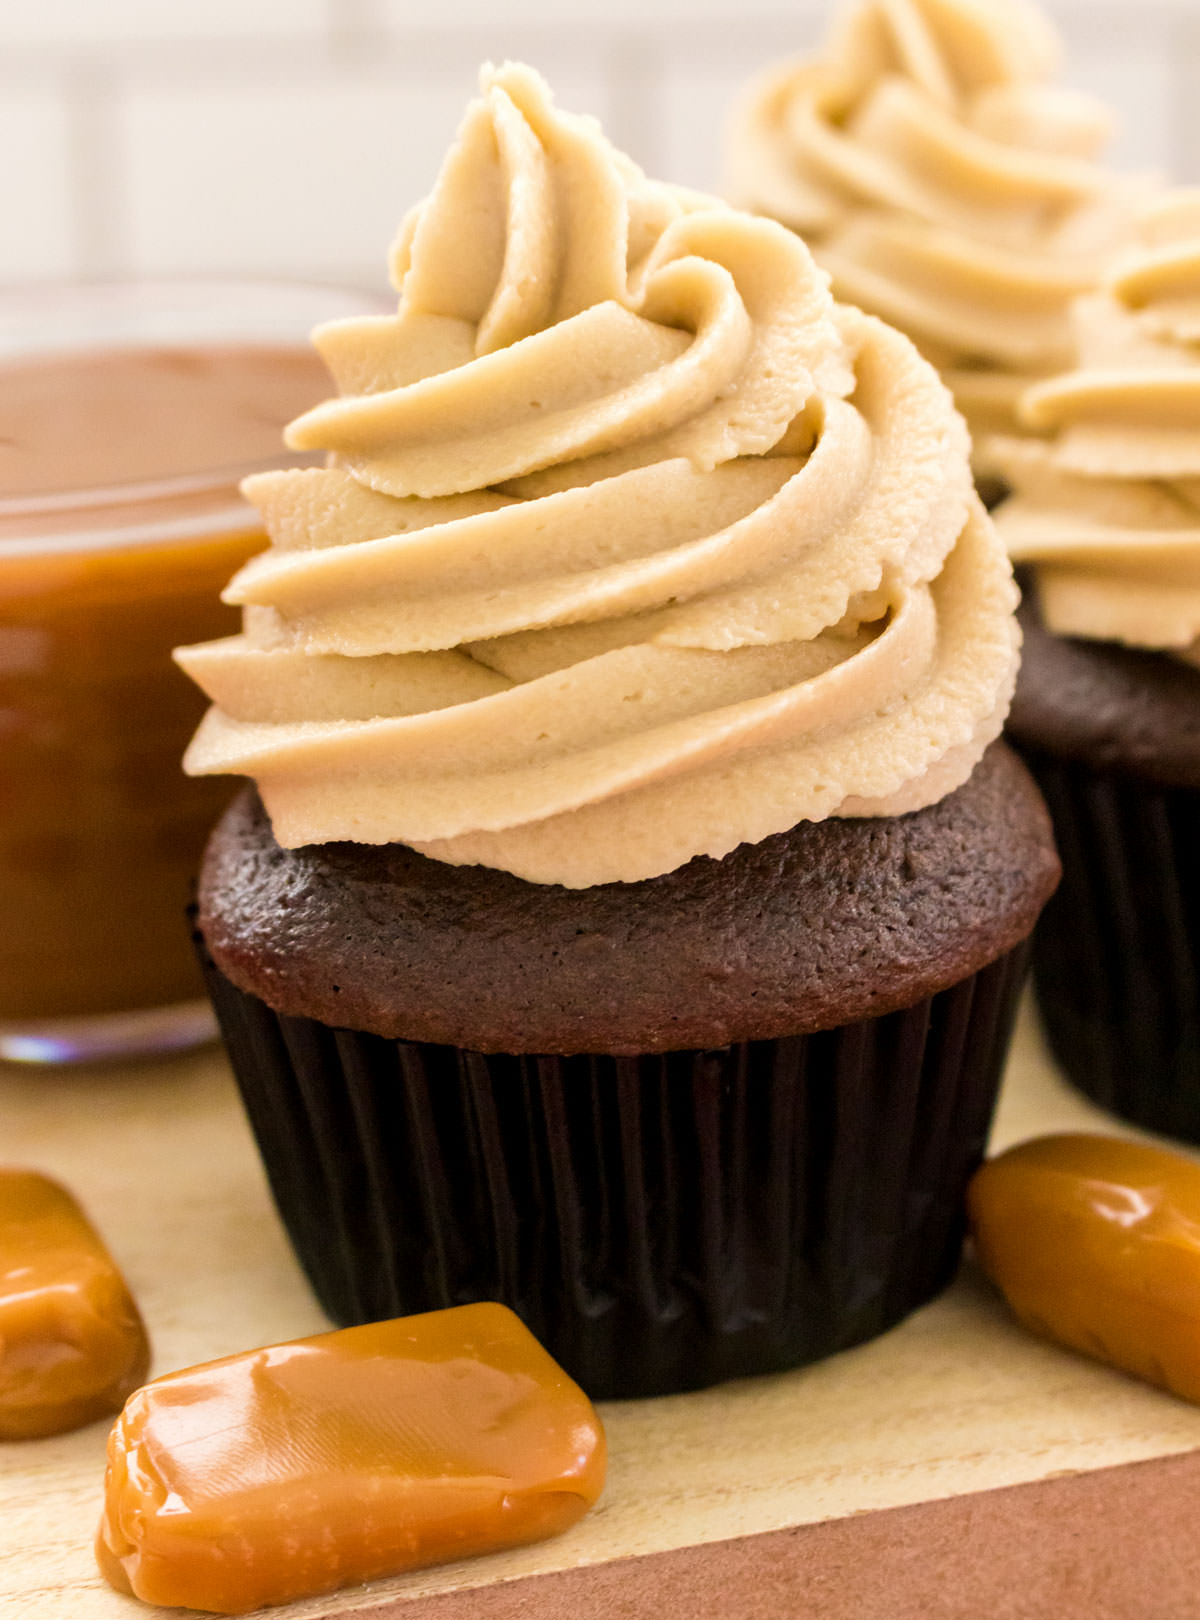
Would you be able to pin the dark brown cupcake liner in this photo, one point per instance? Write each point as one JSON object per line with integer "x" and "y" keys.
{"x": 1117, "y": 949}
{"x": 661, "y": 1223}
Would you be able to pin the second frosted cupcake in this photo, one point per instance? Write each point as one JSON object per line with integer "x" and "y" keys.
{"x": 947, "y": 184}
{"x": 1106, "y": 515}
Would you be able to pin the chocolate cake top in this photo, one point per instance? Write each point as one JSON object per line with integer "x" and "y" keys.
{"x": 820, "y": 926}
{"x": 1119, "y": 709}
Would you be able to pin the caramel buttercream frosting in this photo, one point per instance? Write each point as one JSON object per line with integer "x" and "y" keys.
{"x": 632, "y": 546}
{"x": 947, "y": 185}
{"x": 1107, "y": 511}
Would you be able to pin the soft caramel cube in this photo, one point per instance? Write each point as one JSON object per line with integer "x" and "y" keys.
{"x": 72, "y": 1345}
{"x": 289, "y": 1471}
{"x": 1095, "y": 1242}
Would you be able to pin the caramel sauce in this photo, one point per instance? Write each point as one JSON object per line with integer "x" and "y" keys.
{"x": 100, "y": 831}
{"x": 127, "y": 416}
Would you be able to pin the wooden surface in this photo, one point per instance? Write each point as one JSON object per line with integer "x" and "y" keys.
{"x": 954, "y": 1401}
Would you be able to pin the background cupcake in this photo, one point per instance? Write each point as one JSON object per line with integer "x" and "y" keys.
{"x": 945, "y": 183}
{"x": 1107, "y": 516}
{"x": 634, "y": 934}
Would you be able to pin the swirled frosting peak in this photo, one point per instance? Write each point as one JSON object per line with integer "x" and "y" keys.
{"x": 631, "y": 547}
{"x": 1108, "y": 509}
{"x": 945, "y": 183}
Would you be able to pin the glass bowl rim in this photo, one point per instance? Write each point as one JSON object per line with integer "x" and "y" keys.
{"x": 217, "y": 517}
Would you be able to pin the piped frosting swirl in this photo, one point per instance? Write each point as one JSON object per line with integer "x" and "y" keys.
{"x": 945, "y": 183}
{"x": 632, "y": 546}
{"x": 1108, "y": 510}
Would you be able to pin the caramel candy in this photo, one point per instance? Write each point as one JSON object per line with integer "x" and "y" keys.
{"x": 1095, "y": 1242}
{"x": 289, "y": 1471}
{"x": 72, "y": 1345}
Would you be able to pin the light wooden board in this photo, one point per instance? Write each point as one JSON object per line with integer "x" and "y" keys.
{"x": 955, "y": 1400}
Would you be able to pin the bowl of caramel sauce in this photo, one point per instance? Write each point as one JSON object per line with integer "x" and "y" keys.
{"x": 128, "y": 414}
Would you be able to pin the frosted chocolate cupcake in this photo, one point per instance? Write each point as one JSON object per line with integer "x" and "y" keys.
{"x": 627, "y": 922}
{"x": 945, "y": 183}
{"x": 1106, "y": 515}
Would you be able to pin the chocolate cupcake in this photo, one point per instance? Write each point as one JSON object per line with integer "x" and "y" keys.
{"x": 947, "y": 185}
{"x": 629, "y": 920}
{"x": 1106, "y": 517}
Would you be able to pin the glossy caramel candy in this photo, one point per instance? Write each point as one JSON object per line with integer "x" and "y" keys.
{"x": 72, "y": 1345}
{"x": 290, "y": 1471}
{"x": 1095, "y": 1242}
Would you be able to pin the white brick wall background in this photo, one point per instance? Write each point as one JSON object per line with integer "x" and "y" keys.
{"x": 288, "y": 136}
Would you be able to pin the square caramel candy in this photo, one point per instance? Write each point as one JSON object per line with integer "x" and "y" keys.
{"x": 72, "y": 1344}
{"x": 293, "y": 1470}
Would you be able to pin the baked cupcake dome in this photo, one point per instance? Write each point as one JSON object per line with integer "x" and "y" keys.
{"x": 827, "y": 924}
{"x": 1106, "y": 519}
{"x": 638, "y": 564}
{"x": 947, "y": 185}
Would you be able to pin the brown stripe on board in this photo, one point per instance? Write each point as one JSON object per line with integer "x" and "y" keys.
{"x": 1115, "y": 1544}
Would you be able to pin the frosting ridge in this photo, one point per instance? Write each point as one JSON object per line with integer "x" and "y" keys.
{"x": 1107, "y": 511}
{"x": 619, "y": 558}
{"x": 944, "y": 182}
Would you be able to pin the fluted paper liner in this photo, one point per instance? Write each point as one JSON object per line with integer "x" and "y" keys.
{"x": 661, "y": 1223}
{"x": 1116, "y": 950}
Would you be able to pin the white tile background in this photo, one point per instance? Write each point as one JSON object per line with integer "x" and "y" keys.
{"x": 290, "y": 135}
